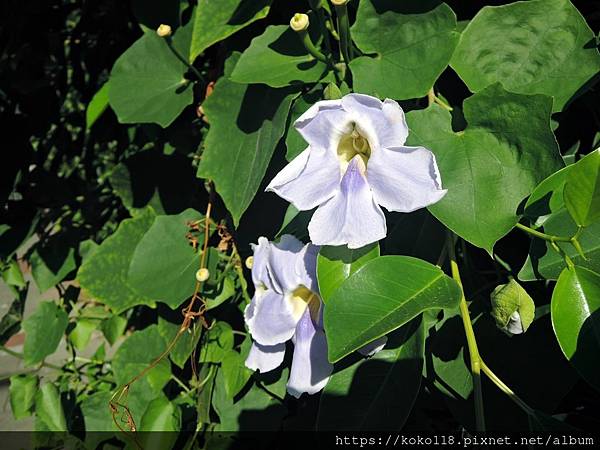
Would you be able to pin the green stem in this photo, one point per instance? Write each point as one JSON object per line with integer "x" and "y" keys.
{"x": 310, "y": 47}
{"x": 182, "y": 59}
{"x": 544, "y": 236}
{"x": 508, "y": 391}
{"x": 344, "y": 31}
{"x": 471, "y": 341}
{"x": 315, "y": 5}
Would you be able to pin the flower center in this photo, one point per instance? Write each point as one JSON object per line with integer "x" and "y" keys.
{"x": 351, "y": 145}
{"x": 303, "y": 297}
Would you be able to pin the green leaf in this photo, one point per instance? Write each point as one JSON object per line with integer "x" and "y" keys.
{"x": 534, "y": 47}
{"x": 332, "y": 92}
{"x": 505, "y": 151}
{"x": 81, "y": 334}
{"x": 113, "y": 328}
{"x": 95, "y": 412}
{"x": 11, "y": 321}
{"x": 97, "y": 106}
{"x": 582, "y": 190}
{"x": 12, "y": 274}
{"x": 52, "y": 260}
{"x": 147, "y": 82}
{"x": 335, "y": 264}
{"x": 413, "y": 48}
{"x": 22, "y": 392}
{"x": 547, "y": 197}
{"x": 575, "y": 310}
{"x": 278, "y": 58}
{"x": 214, "y": 21}
{"x": 214, "y": 297}
{"x": 43, "y": 332}
{"x": 543, "y": 262}
{"x": 510, "y": 300}
{"x": 376, "y": 393}
{"x": 164, "y": 264}
{"x": 133, "y": 356}
{"x": 272, "y": 411}
{"x": 235, "y": 373}
{"x": 246, "y": 122}
{"x": 219, "y": 342}
{"x": 48, "y": 408}
{"x": 184, "y": 346}
{"x": 380, "y": 297}
{"x": 104, "y": 274}
{"x": 161, "y": 415}
{"x": 130, "y": 357}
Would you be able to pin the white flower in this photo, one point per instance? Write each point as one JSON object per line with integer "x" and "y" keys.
{"x": 355, "y": 162}
{"x": 286, "y": 306}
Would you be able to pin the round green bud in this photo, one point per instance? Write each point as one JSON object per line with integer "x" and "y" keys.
{"x": 299, "y": 22}
{"x": 164, "y": 30}
{"x": 202, "y": 275}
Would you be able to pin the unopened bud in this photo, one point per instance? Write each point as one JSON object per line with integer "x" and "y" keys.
{"x": 339, "y": 2}
{"x": 164, "y": 30}
{"x": 299, "y": 22}
{"x": 202, "y": 275}
{"x": 249, "y": 262}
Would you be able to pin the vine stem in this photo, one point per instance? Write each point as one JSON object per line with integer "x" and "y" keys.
{"x": 508, "y": 391}
{"x": 544, "y": 236}
{"x": 475, "y": 359}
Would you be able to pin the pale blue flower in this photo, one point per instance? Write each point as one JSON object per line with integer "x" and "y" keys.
{"x": 355, "y": 162}
{"x": 286, "y": 306}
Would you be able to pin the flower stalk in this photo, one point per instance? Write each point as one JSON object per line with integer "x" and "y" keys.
{"x": 343, "y": 29}
{"x": 474, "y": 357}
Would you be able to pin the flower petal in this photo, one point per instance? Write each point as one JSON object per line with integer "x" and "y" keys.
{"x": 283, "y": 261}
{"x": 373, "y": 347}
{"x": 309, "y": 179}
{"x": 351, "y": 217}
{"x": 323, "y": 124}
{"x": 310, "y": 367}
{"x": 265, "y": 358}
{"x": 404, "y": 179}
{"x": 260, "y": 276}
{"x": 272, "y": 317}
{"x": 382, "y": 123}
{"x": 306, "y": 267}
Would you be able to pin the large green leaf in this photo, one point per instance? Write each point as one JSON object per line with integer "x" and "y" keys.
{"x": 216, "y": 20}
{"x": 147, "y": 82}
{"x": 161, "y": 415}
{"x": 246, "y": 123}
{"x": 43, "y": 332}
{"x": 259, "y": 410}
{"x": 52, "y": 260}
{"x": 381, "y": 296}
{"x": 184, "y": 346}
{"x": 48, "y": 408}
{"x": 96, "y": 415}
{"x": 277, "y": 58}
{"x": 582, "y": 190}
{"x": 490, "y": 167}
{"x": 104, "y": 274}
{"x": 575, "y": 312}
{"x": 22, "y": 394}
{"x": 135, "y": 355}
{"x": 533, "y": 47}
{"x": 335, "y": 264}
{"x": 547, "y": 197}
{"x": 404, "y": 53}
{"x": 376, "y": 393}
{"x": 164, "y": 264}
